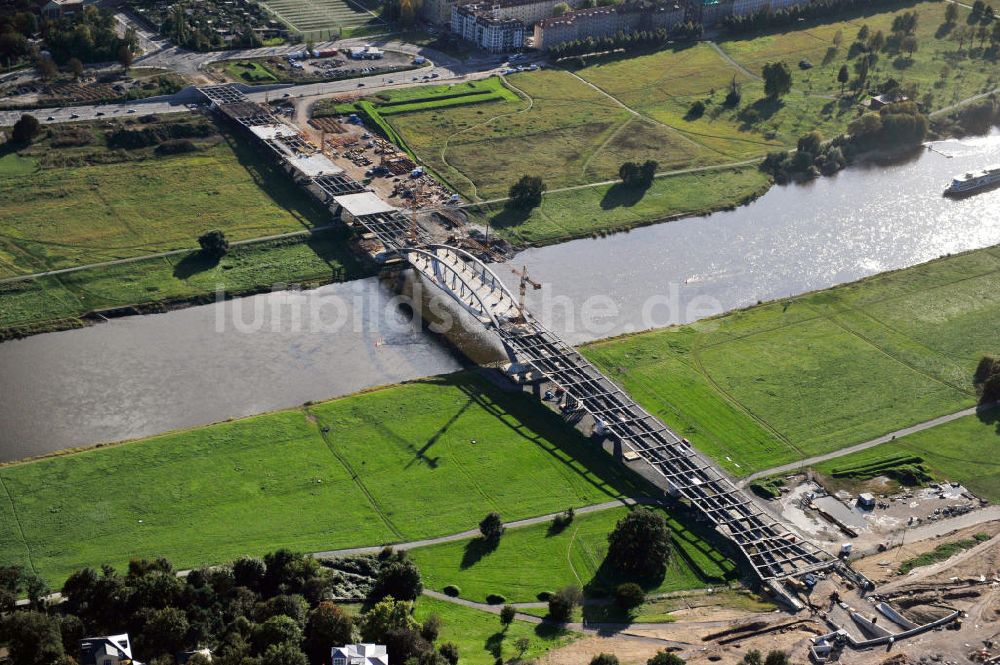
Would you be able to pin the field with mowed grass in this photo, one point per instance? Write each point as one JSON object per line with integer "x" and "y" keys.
{"x": 535, "y": 559}
{"x": 408, "y": 462}
{"x": 609, "y": 208}
{"x": 814, "y": 373}
{"x": 64, "y": 205}
{"x": 59, "y": 301}
{"x": 328, "y": 19}
{"x": 480, "y": 638}
{"x": 962, "y": 451}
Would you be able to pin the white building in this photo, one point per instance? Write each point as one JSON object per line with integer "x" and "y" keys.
{"x": 487, "y": 28}
{"x": 108, "y": 650}
{"x": 359, "y": 654}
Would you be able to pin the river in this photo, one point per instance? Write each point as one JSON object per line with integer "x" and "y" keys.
{"x": 142, "y": 375}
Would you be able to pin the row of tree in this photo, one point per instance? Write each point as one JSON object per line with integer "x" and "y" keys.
{"x": 626, "y": 41}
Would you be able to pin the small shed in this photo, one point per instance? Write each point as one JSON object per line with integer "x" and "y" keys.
{"x": 866, "y": 501}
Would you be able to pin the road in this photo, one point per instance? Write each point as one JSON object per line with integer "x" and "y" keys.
{"x": 891, "y": 436}
{"x": 443, "y": 68}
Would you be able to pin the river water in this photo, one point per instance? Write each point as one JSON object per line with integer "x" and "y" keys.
{"x": 142, "y": 375}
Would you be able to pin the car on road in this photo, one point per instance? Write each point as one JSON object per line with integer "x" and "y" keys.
{"x": 99, "y": 113}
{"x": 131, "y": 111}
{"x": 435, "y": 75}
{"x": 361, "y": 85}
{"x": 74, "y": 116}
{"x": 50, "y": 118}
{"x": 287, "y": 94}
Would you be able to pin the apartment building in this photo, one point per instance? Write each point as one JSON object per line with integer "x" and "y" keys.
{"x": 600, "y": 22}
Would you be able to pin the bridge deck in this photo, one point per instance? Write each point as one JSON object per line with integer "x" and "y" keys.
{"x": 772, "y": 550}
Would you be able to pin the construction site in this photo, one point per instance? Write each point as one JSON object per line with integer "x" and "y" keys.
{"x": 841, "y": 610}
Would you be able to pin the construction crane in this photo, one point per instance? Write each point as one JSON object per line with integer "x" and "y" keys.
{"x": 525, "y": 280}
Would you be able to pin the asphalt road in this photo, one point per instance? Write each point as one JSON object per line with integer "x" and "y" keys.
{"x": 443, "y": 69}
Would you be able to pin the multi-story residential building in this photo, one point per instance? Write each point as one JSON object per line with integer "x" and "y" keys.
{"x": 715, "y": 11}
{"x": 600, "y": 22}
{"x": 480, "y": 24}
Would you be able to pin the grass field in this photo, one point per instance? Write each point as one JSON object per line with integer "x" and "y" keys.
{"x": 815, "y": 373}
{"x": 57, "y": 301}
{"x": 572, "y": 556}
{"x": 479, "y": 635}
{"x": 576, "y": 127}
{"x": 961, "y": 450}
{"x": 408, "y": 462}
{"x": 608, "y": 208}
{"x": 249, "y": 71}
{"x": 77, "y": 210}
{"x": 326, "y": 19}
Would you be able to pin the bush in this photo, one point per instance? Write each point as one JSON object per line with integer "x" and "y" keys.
{"x": 452, "y": 590}
{"x": 495, "y": 599}
{"x": 25, "y": 129}
{"x": 665, "y": 658}
{"x": 563, "y": 520}
{"x": 449, "y": 651}
{"x": 629, "y": 595}
{"x": 214, "y": 243}
{"x": 544, "y": 595}
{"x": 562, "y": 603}
{"x": 176, "y": 147}
{"x": 604, "y": 659}
{"x": 527, "y": 192}
{"x": 696, "y": 111}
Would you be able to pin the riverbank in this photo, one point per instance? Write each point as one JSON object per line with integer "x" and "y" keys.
{"x": 71, "y": 300}
{"x": 879, "y": 354}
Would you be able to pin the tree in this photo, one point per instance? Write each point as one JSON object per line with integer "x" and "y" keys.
{"x": 449, "y": 651}
{"x": 284, "y": 653}
{"x": 909, "y": 44}
{"x": 810, "y": 143}
{"x": 877, "y": 42}
{"x": 507, "y": 614}
{"x": 843, "y": 76}
{"x": 76, "y": 67}
{"x": 522, "y": 644}
{"x": 13, "y": 47}
{"x": 431, "y": 628}
{"x": 777, "y": 658}
{"x": 563, "y": 602}
{"x": 863, "y": 33}
{"x": 777, "y": 79}
{"x": 604, "y": 659}
{"x": 384, "y": 617}
{"x": 527, "y": 192}
{"x": 275, "y": 631}
{"x": 248, "y": 571}
{"x": 214, "y": 243}
{"x": 951, "y": 13}
{"x": 734, "y": 95}
{"x": 25, "y": 129}
{"x": 399, "y": 579}
{"x": 46, "y": 67}
{"x": 640, "y": 544}
{"x": 838, "y": 38}
{"x": 125, "y": 57}
{"x": 629, "y": 173}
{"x": 752, "y": 657}
{"x": 629, "y": 596}
{"x": 32, "y": 638}
{"x": 165, "y": 631}
{"x": 328, "y": 625}
{"x": 491, "y": 526}
{"x": 560, "y": 9}
{"x": 665, "y": 658}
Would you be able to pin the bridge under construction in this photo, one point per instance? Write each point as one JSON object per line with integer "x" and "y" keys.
{"x": 773, "y": 552}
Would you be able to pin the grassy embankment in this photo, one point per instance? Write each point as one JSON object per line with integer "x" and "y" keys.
{"x": 69, "y": 205}
{"x": 573, "y": 134}
{"x": 961, "y": 450}
{"x": 815, "y": 373}
{"x": 572, "y": 556}
{"x": 397, "y": 464}
{"x": 481, "y": 639}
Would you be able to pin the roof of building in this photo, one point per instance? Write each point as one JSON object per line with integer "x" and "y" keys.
{"x": 362, "y": 654}
{"x": 91, "y": 648}
{"x": 359, "y": 205}
{"x": 314, "y": 165}
{"x": 624, "y": 8}
{"x": 64, "y": 2}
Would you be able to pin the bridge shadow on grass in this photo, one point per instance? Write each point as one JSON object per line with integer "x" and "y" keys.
{"x": 524, "y": 415}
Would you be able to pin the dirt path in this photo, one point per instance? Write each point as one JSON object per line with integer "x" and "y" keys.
{"x": 886, "y": 438}
{"x": 732, "y": 63}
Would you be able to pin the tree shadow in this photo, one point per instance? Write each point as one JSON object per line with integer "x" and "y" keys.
{"x": 620, "y": 195}
{"x": 194, "y": 263}
{"x": 944, "y": 30}
{"x": 494, "y": 644}
{"x": 510, "y": 216}
{"x": 903, "y": 62}
{"x": 989, "y": 415}
{"x": 830, "y": 55}
{"x": 476, "y": 549}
